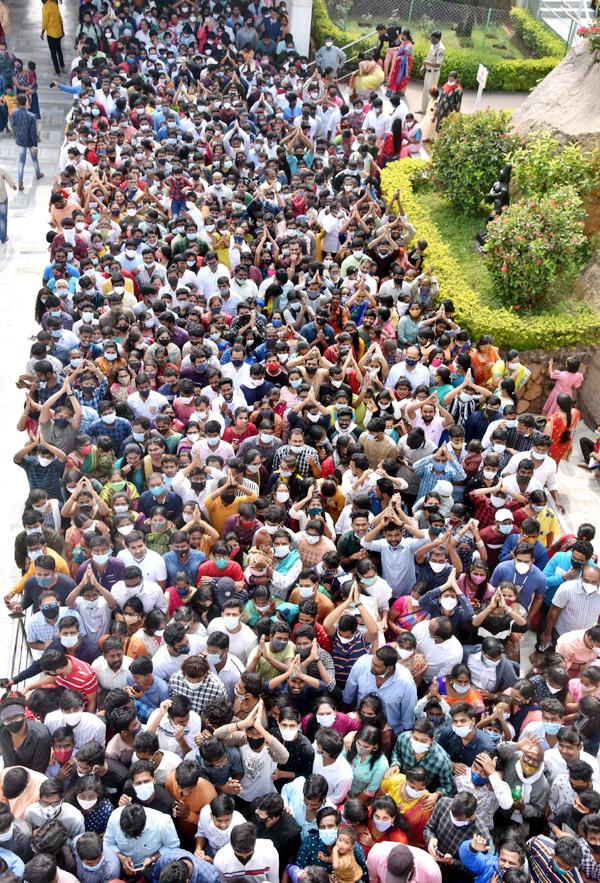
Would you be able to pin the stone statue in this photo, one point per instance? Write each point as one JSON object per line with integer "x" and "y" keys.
{"x": 499, "y": 197}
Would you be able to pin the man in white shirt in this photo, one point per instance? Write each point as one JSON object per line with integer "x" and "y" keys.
{"x": 218, "y": 190}
{"x": 86, "y": 726}
{"x": 378, "y": 120}
{"x": 330, "y": 763}
{"x": 149, "y": 564}
{"x": 241, "y": 637}
{"x": 172, "y": 715}
{"x": 112, "y": 667}
{"x": 417, "y": 374}
{"x": 438, "y": 645}
{"x": 176, "y": 646}
{"x": 134, "y": 585}
{"x": 212, "y": 443}
{"x": 248, "y": 856}
{"x": 146, "y": 402}
{"x": 545, "y": 466}
{"x": 209, "y": 274}
{"x": 224, "y": 664}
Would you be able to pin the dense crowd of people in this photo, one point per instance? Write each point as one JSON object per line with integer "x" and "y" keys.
{"x": 287, "y": 525}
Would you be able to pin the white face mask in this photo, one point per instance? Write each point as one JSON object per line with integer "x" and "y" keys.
{"x": 437, "y": 567}
{"x": 231, "y": 622}
{"x": 73, "y": 719}
{"x": 192, "y": 686}
{"x": 87, "y": 804}
{"x": 311, "y": 540}
{"x": 328, "y": 720}
{"x": 462, "y": 732}
{"x": 489, "y": 473}
{"x": 418, "y": 747}
{"x": 282, "y": 496}
{"x": 448, "y": 603}
{"x": 404, "y": 654}
{"x": 412, "y": 792}
{"x": 522, "y": 567}
{"x": 281, "y": 551}
{"x": 589, "y": 588}
{"x": 288, "y": 735}
{"x": 459, "y": 824}
{"x": 461, "y": 688}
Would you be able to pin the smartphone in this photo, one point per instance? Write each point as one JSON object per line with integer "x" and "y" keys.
{"x": 440, "y": 854}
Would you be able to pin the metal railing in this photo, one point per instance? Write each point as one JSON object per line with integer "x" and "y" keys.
{"x": 21, "y": 655}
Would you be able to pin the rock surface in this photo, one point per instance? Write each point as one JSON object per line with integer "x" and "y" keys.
{"x": 587, "y": 284}
{"x": 565, "y": 103}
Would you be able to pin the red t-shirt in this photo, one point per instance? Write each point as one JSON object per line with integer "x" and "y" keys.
{"x": 82, "y": 679}
{"x": 209, "y": 568}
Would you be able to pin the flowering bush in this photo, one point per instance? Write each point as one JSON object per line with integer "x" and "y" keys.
{"x": 543, "y": 165}
{"x": 469, "y": 154}
{"x": 511, "y": 328}
{"x": 532, "y": 243}
{"x": 593, "y": 36}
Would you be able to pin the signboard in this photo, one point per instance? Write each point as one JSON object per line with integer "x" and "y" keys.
{"x": 482, "y": 75}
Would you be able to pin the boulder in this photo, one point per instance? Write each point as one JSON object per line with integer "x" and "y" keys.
{"x": 552, "y": 106}
{"x": 587, "y": 284}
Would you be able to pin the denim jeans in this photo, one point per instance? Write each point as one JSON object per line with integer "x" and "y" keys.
{"x": 177, "y": 206}
{"x": 3, "y": 219}
{"x": 22, "y": 157}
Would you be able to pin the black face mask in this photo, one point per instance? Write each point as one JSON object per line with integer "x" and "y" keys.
{"x": 52, "y": 613}
{"x": 14, "y": 726}
{"x": 577, "y": 816}
{"x": 198, "y": 485}
{"x": 255, "y": 744}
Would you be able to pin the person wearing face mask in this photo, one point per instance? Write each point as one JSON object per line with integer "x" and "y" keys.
{"x": 260, "y": 752}
{"x": 529, "y": 580}
{"x": 15, "y": 834}
{"x": 579, "y": 649}
{"x": 462, "y": 740}
{"x": 51, "y": 805}
{"x": 574, "y": 603}
{"x": 545, "y": 467}
{"x": 523, "y": 767}
{"x": 457, "y": 687}
{"x": 197, "y": 683}
{"x": 22, "y": 742}
{"x": 242, "y": 639}
{"x": 86, "y": 727}
{"x": 475, "y": 855}
{"x": 490, "y": 670}
{"x": 453, "y": 821}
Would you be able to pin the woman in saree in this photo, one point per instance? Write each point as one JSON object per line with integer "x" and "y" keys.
{"x": 402, "y": 66}
{"x": 367, "y": 78}
{"x": 450, "y": 99}
{"x": 393, "y": 145}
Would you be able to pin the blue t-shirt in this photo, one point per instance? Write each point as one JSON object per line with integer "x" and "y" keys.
{"x": 529, "y": 584}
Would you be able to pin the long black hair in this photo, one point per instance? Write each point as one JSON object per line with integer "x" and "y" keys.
{"x": 397, "y": 134}
{"x": 373, "y": 736}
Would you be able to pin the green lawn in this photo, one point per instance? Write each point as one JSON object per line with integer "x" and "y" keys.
{"x": 459, "y": 230}
{"x": 451, "y": 41}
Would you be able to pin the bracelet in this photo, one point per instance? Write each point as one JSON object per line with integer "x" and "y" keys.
{"x": 480, "y": 543}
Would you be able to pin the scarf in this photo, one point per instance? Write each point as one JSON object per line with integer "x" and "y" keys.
{"x": 527, "y": 782}
{"x": 347, "y": 431}
{"x": 450, "y": 87}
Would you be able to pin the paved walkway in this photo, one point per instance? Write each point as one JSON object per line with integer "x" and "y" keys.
{"x": 22, "y": 261}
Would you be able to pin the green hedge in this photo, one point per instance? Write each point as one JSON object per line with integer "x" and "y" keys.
{"x": 508, "y": 75}
{"x": 518, "y": 75}
{"x": 545, "y": 330}
{"x": 538, "y": 38}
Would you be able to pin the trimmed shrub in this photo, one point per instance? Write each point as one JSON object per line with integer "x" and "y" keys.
{"x": 537, "y": 36}
{"x": 469, "y": 152}
{"x": 546, "y": 331}
{"x": 533, "y": 246}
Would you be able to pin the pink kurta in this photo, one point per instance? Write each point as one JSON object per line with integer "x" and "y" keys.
{"x": 566, "y": 381}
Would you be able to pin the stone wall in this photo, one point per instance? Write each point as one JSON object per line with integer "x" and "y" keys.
{"x": 540, "y": 386}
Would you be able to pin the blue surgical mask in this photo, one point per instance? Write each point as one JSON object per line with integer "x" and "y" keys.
{"x": 551, "y": 729}
{"x": 329, "y": 836}
{"x": 477, "y": 779}
{"x": 157, "y": 491}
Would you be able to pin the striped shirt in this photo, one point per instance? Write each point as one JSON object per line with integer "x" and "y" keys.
{"x": 345, "y": 655}
{"x": 81, "y": 679}
{"x": 541, "y": 863}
